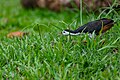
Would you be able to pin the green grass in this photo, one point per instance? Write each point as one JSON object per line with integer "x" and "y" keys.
{"x": 45, "y": 54}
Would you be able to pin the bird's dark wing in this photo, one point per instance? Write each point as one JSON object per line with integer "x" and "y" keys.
{"x": 90, "y": 27}
{"x": 94, "y": 26}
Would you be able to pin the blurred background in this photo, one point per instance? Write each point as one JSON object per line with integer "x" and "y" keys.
{"x": 20, "y": 14}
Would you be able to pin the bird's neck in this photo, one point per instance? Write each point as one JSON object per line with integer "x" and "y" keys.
{"x": 73, "y": 32}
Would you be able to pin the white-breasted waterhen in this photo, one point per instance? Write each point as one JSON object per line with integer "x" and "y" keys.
{"x": 97, "y": 26}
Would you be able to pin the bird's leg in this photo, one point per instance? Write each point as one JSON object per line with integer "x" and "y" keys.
{"x": 91, "y": 35}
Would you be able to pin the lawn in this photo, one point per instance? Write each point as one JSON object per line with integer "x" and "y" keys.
{"x": 45, "y": 54}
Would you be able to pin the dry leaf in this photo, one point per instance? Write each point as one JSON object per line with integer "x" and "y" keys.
{"x": 17, "y": 34}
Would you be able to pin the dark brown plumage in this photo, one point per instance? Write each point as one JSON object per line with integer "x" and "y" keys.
{"x": 97, "y": 26}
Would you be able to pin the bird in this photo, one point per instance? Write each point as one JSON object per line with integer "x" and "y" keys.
{"x": 98, "y": 26}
